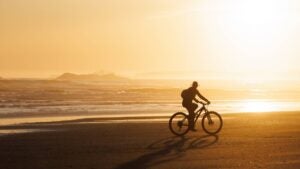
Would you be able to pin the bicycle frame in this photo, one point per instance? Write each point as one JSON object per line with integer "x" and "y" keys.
{"x": 199, "y": 112}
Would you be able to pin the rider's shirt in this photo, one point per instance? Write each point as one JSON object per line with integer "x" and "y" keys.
{"x": 190, "y": 95}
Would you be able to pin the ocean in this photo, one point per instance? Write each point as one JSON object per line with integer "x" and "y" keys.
{"x": 27, "y": 98}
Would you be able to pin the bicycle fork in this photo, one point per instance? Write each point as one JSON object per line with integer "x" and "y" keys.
{"x": 210, "y": 122}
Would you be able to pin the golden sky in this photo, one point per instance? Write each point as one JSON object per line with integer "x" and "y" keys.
{"x": 255, "y": 39}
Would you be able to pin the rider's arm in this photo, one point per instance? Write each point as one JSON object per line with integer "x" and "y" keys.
{"x": 196, "y": 100}
{"x": 202, "y": 97}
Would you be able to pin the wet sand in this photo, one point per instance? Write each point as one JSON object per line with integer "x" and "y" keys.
{"x": 260, "y": 140}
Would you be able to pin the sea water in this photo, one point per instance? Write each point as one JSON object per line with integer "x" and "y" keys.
{"x": 51, "y": 98}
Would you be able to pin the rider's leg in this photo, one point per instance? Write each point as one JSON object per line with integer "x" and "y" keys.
{"x": 191, "y": 108}
{"x": 190, "y": 116}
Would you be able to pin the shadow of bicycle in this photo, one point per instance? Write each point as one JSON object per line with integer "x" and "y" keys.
{"x": 169, "y": 149}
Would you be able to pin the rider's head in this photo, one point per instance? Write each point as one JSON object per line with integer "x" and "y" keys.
{"x": 195, "y": 84}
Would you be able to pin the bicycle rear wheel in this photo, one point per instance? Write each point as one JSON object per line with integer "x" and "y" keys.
{"x": 212, "y": 122}
{"x": 179, "y": 124}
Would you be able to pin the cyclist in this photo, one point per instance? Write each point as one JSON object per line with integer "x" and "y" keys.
{"x": 188, "y": 96}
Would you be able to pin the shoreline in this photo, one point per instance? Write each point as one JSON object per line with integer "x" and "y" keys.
{"x": 13, "y": 120}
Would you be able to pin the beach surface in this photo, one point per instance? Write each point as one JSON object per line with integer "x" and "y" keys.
{"x": 247, "y": 140}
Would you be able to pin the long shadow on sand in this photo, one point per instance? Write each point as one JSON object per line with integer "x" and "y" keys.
{"x": 168, "y": 149}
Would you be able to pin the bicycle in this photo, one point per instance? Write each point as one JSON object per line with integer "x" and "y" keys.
{"x": 211, "y": 121}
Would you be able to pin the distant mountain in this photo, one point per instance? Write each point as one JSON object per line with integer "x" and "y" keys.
{"x": 90, "y": 77}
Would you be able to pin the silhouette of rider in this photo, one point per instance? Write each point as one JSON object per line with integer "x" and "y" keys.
{"x": 188, "y": 96}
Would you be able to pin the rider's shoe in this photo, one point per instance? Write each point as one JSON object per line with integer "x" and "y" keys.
{"x": 193, "y": 129}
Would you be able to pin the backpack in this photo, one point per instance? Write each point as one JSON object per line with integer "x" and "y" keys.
{"x": 185, "y": 94}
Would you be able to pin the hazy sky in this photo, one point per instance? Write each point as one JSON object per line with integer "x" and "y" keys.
{"x": 254, "y": 39}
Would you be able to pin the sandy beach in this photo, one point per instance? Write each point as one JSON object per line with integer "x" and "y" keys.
{"x": 257, "y": 140}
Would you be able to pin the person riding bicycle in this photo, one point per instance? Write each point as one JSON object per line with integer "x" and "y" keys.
{"x": 188, "y": 95}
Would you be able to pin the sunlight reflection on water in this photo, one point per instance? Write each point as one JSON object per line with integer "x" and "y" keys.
{"x": 255, "y": 106}
{"x": 260, "y": 106}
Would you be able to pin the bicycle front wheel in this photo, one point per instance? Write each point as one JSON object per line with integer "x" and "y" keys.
{"x": 212, "y": 122}
{"x": 179, "y": 124}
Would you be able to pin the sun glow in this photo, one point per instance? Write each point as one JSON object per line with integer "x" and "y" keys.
{"x": 250, "y": 38}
